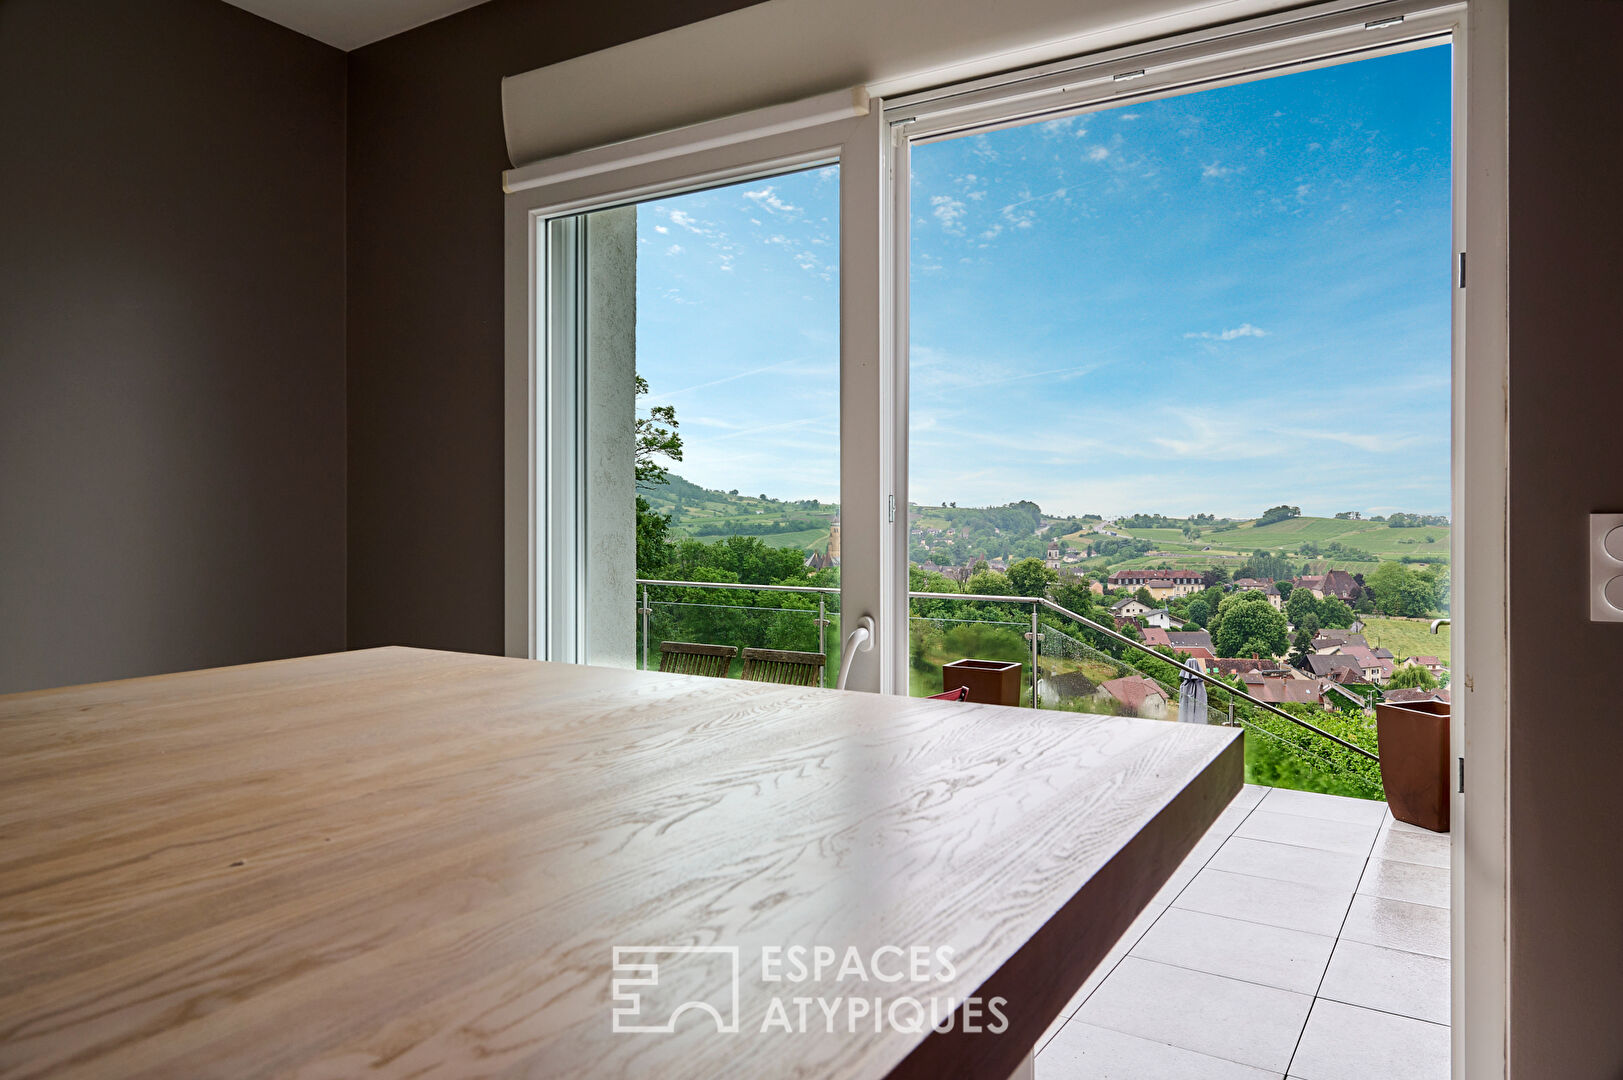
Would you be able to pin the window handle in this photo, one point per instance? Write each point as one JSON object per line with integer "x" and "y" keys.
{"x": 858, "y": 640}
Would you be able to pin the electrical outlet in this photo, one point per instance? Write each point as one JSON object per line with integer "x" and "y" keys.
{"x": 1606, "y": 567}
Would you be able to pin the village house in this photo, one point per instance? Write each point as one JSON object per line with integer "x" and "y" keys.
{"x": 1171, "y": 582}
{"x": 1336, "y": 583}
{"x": 1189, "y": 640}
{"x": 1412, "y": 694}
{"x": 1265, "y": 586}
{"x": 1430, "y": 663}
{"x": 1343, "y": 669}
{"x": 1278, "y": 690}
{"x": 1375, "y": 669}
{"x": 1328, "y": 641}
{"x": 1135, "y": 695}
{"x": 1130, "y": 608}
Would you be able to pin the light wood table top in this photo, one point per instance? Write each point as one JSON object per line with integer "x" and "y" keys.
{"x": 398, "y": 862}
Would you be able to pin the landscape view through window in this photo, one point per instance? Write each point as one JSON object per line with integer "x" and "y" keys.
{"x": 1181, "y": 366}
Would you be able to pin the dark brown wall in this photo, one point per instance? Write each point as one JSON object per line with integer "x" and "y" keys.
{"x": 171, "y": 340}
{"x": 1566, "y": 753}
{"x": 425, "y": 317}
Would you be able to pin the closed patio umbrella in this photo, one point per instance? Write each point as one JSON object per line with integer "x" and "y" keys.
{"x": 1192, "y": 699}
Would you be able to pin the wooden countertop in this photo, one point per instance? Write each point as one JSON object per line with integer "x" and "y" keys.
{"x": 399, "y": 862}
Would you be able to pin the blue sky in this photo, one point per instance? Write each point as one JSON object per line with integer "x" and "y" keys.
{"x": 1210, "y": 303}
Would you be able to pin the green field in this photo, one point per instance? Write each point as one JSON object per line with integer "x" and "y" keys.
{"x": 1406, "y": 638}
{"x": 1284, "y": 538}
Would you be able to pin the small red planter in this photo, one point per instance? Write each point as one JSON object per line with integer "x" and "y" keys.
{"x": 990, "y": 682}
{"x": 1413, "y": 740}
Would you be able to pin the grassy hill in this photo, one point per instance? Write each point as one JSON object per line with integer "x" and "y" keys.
{"x": 1286, "y": 538}
{"x": 1406, "y": 638}
{"x": 704, "y": 514}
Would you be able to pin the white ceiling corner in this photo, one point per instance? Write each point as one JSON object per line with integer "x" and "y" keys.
{"x": 349, "y": 24}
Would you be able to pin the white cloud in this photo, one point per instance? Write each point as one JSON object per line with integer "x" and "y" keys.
{"x": 661, "y": 230}
{"x": 687, "y": 221}
{"x": 949, "y": 212}
{"x": 1098, "y": 153}
{"x": 675, "y": 249}
{"x": 1243, "y": 330}
{"x": 1215, "y": 171}
{"x": 767, "y": 199}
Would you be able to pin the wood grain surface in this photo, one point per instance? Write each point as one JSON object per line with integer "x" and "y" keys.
{"x": 400, "y": 863}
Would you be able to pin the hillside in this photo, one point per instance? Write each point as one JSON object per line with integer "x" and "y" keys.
{"x": 701, "y": 513}
{"x": 1351, "y": 545}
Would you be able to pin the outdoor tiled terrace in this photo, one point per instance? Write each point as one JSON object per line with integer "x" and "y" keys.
{"x": 1305, "y": 936}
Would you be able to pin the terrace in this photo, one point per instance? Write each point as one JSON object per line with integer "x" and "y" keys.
{"x": 1305, "y": 936}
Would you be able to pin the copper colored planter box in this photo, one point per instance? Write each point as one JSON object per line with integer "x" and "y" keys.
{"x": 990, "y": 682}
{"x": 1413, "y": 740}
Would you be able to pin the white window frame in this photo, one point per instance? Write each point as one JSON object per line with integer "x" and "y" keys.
{"x": 544, "y": 492}
{"x": 870, "y": 141}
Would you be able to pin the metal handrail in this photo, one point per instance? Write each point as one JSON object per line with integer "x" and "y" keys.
{"x": 737, "y": 585}
{"x": 1043, "y": 601}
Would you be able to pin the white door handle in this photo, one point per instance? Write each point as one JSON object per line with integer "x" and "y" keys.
{"x": 859, "y": 639}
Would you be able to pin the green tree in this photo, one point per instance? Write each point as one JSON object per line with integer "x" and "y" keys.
{"x": 1199, "y": 612}
{"x": 987, "y": 583}
{"x": 1031, "y": 577}
{"x": 1301, "y": 606}
{"x": 656, "y": 436}
{"x": 1336, "y": 613}
{"x": 1412, "y": 676}
{"x": 1279, "y": 513}
{"x": 1248, "y": 625}
{"x": 1401, "y": 591}
{"x": 1285, "y": 589}
{"x": 1143, "y": 596}
{"x": 1301, "y": 647}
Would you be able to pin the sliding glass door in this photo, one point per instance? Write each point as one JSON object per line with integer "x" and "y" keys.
{"x": 695, "y": 352}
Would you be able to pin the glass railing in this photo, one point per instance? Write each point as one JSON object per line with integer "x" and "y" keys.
{"x": 1066, "y": 662}
{"x": 788, "y": 617}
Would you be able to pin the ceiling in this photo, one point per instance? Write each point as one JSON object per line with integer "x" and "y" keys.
{"x": 349, "y": 24}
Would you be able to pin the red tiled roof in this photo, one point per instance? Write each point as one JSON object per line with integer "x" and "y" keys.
{"x": 1133, "y": 690}
{"x": 1398, "y": 697}
{"x": 1154, "y": 635}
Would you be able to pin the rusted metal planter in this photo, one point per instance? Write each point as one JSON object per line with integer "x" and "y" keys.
{"x": 990, "y": 682}
{"x": 1413, "y": 739}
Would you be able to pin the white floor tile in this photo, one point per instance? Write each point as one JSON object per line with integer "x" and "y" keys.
{"x": 1414, "y": 882}
{"x": 1240, "y": 1021}
{"x": 1086, "y": 1052}
{"x": 1288, "y": 862}
{"x": 1390, "y": 980}
{"x": 1330, "y": 807}
{"x": 1351, "y": 838}
{"x": 1344, "y": 1042}
{"x": 1398, "y": 924}
{"x": 1427, "y": 849}
{"x": 1270, "y": 955}
{"x": 1317, "y": 909}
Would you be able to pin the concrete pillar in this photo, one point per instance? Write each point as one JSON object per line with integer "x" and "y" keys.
{"x": 611, "y": 367}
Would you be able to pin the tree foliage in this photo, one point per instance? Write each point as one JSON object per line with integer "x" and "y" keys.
{"x": 1412, "y": 676}
{"x": 1248, "y": 625}
{"x": 1031, "y": 577}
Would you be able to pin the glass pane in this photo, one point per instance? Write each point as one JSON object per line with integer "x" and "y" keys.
{"x": 712, "y": 347}
{"x": 1182, "y": 367}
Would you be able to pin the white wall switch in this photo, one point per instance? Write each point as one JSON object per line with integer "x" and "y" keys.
{"x": 1606, "y": 567}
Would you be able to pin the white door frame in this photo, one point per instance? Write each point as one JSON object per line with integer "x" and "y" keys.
{"x": 873, "y": 155}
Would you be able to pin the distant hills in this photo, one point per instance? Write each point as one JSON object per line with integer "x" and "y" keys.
{"x": 955, "y": 535}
